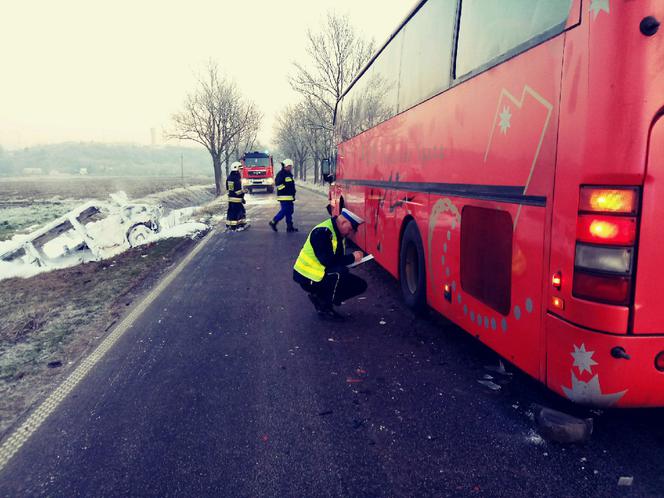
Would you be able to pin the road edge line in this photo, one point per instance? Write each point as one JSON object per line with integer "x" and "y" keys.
{"x": 21, "y": 435}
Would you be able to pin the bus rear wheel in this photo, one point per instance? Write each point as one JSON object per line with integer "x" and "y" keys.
{"x": 412, "y": 269}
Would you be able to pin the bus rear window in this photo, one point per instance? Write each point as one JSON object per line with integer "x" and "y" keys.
{"x": 488, "y": 30}
{"x": 486, "y": 256}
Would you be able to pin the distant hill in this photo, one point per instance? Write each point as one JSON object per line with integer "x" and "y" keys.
{"x": 100, "y": 159}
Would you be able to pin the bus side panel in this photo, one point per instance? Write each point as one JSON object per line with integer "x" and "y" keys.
{"x": 350, "y": 195}
{"x": 384, "y": 218}
{"x": 513, "y": 333}
{"x": 494, "y": 137}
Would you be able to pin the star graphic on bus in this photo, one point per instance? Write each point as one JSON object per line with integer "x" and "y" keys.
{"x": 596, "y": 6}
{"x": 591, "y": 392}
{"x": 505, "y": 118}
{"x": 583, "y": 359}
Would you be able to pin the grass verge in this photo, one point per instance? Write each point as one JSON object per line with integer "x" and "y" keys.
{"x": 53, "y": 320}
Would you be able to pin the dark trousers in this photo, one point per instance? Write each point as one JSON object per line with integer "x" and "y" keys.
{"x": 235, "y": 216}
{"x": 335, "y": 288}
{"x": 287, "y": 208}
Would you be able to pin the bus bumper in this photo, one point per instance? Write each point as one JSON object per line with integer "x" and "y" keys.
{"x": 581, "y": 367}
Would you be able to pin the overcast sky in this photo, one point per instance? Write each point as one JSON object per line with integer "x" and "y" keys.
{"x": 86, "y": 70}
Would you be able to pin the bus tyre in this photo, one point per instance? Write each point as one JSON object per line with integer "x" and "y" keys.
{"x": 412, "y": 269}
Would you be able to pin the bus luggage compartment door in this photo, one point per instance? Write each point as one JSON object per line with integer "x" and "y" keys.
{"x": 648, "y": 309}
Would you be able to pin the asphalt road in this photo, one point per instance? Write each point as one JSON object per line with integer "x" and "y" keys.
{"x": 229, "y": 385}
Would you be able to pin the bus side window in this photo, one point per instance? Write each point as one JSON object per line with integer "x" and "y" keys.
{"x": 486, "y": 256}
{"x": 489, "y": 30}
{"x": 426, "y": 53}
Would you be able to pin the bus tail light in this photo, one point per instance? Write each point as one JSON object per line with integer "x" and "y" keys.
{"x": 608, "y": 289}
{"x": 605, "y": 259}
{"x": 605, "y": 244}
{"x": 613, "y": 230}
{"x": 622, "y": 200}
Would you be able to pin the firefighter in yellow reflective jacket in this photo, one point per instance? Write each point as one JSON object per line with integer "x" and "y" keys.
{"x": 321, "y": 268}
{"x": 285, "y": 184}
{"x": 236, "y": 215}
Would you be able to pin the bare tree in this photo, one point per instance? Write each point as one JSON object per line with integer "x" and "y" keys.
{"x": 246, "y": 137}
{"x": 291, "y": 136}
{"x": 214, "y": 115}
{"x": 337, "y": 53}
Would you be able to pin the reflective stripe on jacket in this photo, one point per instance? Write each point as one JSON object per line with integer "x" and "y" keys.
{"x": 285, "y": 186}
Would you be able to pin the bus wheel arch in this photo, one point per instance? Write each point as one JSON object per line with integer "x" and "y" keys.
{"x": 412, "y": 266}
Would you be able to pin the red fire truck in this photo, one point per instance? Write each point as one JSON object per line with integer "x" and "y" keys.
{"x": 257, "y": 171}
{"x": 507, "y": 158}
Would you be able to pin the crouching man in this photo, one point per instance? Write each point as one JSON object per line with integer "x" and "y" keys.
{"x": 321, "y": 268}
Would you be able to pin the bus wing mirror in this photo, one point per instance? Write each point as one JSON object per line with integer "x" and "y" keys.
{"x": 326, "y": 170}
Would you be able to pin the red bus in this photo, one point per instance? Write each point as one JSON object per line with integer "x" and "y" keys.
{"x": 257, "y": 171}
{"x": 507, "y": 158}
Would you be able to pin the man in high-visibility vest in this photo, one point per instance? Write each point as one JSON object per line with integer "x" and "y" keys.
{"x": 321, "y": 268}
{"x": 285, "y": 184}
{"x": 236, "y": 215}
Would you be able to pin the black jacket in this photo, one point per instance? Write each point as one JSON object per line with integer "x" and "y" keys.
{"x": 285, "y": 184}
{"x": 234, "y": 185}
{"x": 333, "y": 261}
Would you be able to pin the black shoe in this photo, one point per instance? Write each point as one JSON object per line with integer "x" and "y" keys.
{"x": 273, "y": 225}
{"x": 291, "y": 228}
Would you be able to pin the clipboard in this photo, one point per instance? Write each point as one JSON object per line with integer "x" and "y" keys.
{"x": 368, "y": 257}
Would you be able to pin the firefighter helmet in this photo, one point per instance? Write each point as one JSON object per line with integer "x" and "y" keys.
{"x": 236, "y": 166}
{"x": 287, "y": 162}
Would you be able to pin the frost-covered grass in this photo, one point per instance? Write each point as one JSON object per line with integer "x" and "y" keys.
{"x": 321, "y": 188}
{"x": 20, "y": 218}
{"x": 59, "y": 317}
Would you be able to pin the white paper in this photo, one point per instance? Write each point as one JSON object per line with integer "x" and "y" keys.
{"x": 368, "y": 257}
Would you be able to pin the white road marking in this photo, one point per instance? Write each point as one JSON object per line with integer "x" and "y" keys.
{"x": 34, "y": 421}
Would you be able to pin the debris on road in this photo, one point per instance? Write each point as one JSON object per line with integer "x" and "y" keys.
{"x": 625, "y": 481}
{"x": 534, "y": 438}
{"x": 561, "y": 427}
{"x": 490, "y": 384}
